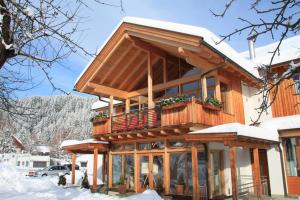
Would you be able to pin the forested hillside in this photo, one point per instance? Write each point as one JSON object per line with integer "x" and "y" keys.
{"x": 52, "y": 119}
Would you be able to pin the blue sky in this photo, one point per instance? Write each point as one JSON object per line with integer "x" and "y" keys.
{"x": 103, "y": 19}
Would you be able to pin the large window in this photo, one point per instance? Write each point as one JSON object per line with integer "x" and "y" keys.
{"x": 39, "y": 164}
{"x": 296, "y": 83}
{"x": 181, "y": 172}
{"x": 225, "y": 99}
{"x": 123, "y": 166}
{"x": 211, "y": 86}
{"x": 292, "y": 154}
{"x": 192, "y": 89}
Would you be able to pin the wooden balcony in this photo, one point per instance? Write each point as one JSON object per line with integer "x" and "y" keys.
{"x": 186, "y": 114}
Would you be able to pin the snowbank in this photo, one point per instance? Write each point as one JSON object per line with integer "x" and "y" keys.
{"x": 15, "y": 186}
{"x": 66, "y": 143}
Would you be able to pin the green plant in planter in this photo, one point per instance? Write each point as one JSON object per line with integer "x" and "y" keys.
{"x": 172, "y": 100}
{"x": 159, "y": 185}
{"x": 62, "y": 180}
{"x": 180, "y": 180}
{"x": 100, "y": 115}
{"x": 122, "y": 180}
{"x": 85, "y": 182}
{"x": 213, "y": 102}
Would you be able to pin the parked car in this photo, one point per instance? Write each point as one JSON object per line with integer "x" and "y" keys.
{"x": 69, "y": 166}
{"x": 53, "y": 170}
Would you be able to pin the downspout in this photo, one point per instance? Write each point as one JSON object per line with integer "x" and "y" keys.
{"x": 282, "y": 170}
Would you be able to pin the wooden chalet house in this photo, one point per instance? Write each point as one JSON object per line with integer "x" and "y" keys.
{"x": 175, "y": 115}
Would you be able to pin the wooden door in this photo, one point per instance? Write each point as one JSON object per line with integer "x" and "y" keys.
{"x": 264, "y": 171}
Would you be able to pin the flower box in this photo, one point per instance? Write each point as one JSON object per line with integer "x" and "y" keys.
{"x": 175, "y": 106}
{"x": 100, "y": 120}
{"x": 211, "y": 107}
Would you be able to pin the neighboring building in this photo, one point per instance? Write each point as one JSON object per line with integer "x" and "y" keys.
{"x": 27, "y": 162}
{"x": 155, "y": 138}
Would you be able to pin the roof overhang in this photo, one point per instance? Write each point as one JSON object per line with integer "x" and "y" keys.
{"x": 85, "y": 146}
{"x": 130, "y": 42}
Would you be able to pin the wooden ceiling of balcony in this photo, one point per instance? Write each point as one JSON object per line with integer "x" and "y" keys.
{"x": 121, "y": 66}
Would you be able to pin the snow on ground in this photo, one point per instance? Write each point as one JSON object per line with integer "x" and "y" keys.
{"x": 15, "y": 186}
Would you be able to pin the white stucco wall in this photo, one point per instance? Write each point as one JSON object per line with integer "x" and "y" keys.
{"x": 252, "y": 101}
{"x": 243, "y": 164}
{"x": 275, "y": 171}
{"x": 89, "y": 158}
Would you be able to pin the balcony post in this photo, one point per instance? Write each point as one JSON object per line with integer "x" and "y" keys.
{"x": 232, "y": 157}
{"x": 204, "y": 88}
{"x": 95, "y": 169}
{"x": 127, "y": 105}
{"x": 150, "y": 83}
{"x": 256, "y": 170}
{"x": 111, "y": 110}
{"x": 73, "y": 167}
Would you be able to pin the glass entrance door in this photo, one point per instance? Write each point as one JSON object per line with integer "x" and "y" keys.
{"x": 216, "y": 173}
{"x": 151, "y": 172}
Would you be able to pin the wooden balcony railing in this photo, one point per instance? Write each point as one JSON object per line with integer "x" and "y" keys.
{"x": 137, "y": 120}
{"x": 182, "y": 113}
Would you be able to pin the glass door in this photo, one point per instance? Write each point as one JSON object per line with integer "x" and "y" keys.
{"x": 158, "y": 172}
{"x": 144, "y": 172}
{"x": 216, "y": 173}
{"x": 151, "y": 174}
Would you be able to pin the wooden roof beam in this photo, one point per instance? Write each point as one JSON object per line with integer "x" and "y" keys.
{"x": 92, "y": 76}
{"x": 129, "y": 76}
{"x": 141, "y": 75}
{"x": 145, "y": 46}
{"x": 117, "y": 62}
{"x": 124, "y": 67}
{"x": 193, "y": 58}
{"x": 101, "y": 89}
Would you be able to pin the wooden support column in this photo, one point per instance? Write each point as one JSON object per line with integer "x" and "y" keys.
{"x": 150, "y": 82}
{"x": 204, "y": 88}
{"x": 136, "y": 167}
{"x": 95, "y": 169}
{"x": 73, "y": 167}
{"x": 218, "y": 88}
{"x": 110, "y": 170}
{"x": 167, "y": 169}
{"x": 127, "y": 105}
{"x": 165, "y": 69}
{"x": 104, "y": 167}
{"x": 257, "y": 178}
{"x": 195, "y": 172}
{"x": 232, "y": 157}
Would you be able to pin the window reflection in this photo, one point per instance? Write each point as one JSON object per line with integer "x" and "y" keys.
{"x": 211, "y": 85}
{"x": 292, "y": 151}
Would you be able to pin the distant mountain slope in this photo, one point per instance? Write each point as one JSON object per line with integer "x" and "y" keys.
{"x": 55, "y": 118}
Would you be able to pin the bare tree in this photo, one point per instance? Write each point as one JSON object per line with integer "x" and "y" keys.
{"x": 279, "y": 18}
{"x": 37, "y": 35}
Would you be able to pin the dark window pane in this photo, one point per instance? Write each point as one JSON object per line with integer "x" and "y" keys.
{"x": 190, "y": 86}
{"x": 292, "y": 146}
{"x": 173, "y": 70}
{"x": 173, "y": 91}
{"x": 129, "y": 170}
{"x": 129, "y": 147}
{"x": 210, "y": 84}
{"x": 181, "y": 167}
{"x": 151, "y": 145}
{"x": 116, "y": 169}
{"x": 296, "y": 83}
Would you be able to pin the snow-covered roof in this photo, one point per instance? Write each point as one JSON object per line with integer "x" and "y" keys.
{"x": 17, "y": 140}
{"x": 241, "y": 130}
{"x": 282, "y": 123}
{"x": 289, "y": 50}
{"x": 42, "y": 149}
{"x": 208, "y": 37}
{"x": 101, "y": 104}
{"x": 66, "y": 143}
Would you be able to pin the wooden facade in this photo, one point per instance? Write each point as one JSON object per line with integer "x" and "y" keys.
{"x": 287, "y": 100}
{"x": 140, "y": 66}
